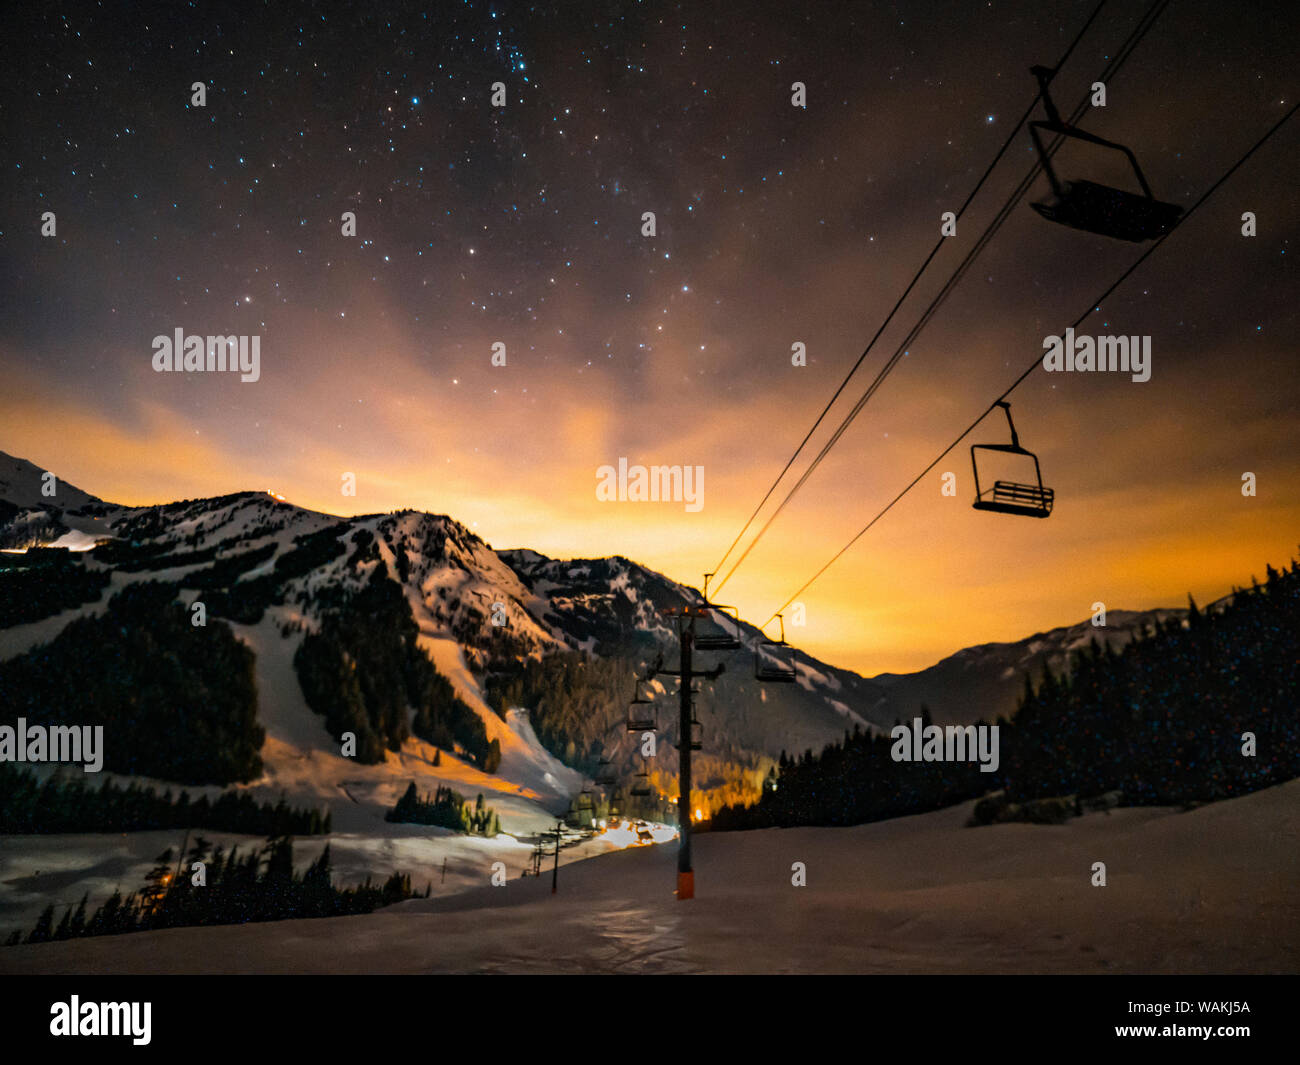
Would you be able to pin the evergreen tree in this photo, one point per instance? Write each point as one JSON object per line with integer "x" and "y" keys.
{"x": 44, "y": 923}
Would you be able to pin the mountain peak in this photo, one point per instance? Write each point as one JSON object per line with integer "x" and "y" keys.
{"x": 26, "y": 485}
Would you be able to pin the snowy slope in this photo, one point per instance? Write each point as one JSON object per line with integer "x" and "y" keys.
{"x": 912, "y": 895}
{"x": 36, "y": 507}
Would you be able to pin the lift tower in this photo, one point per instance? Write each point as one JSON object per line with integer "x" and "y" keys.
{"x": 685, "y": 617}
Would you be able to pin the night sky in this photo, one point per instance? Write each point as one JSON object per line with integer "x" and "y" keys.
{"x": 775, "y": 224}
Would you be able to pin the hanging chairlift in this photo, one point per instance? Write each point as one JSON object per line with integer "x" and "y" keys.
{"x": 605, "y": 774}
{"x": 1088, "y": 205}
{"x": 718, "y": 636}
{"x": 640, "y": 789}
{"x": 641, "y": 724}
{"x": 780, "y": 669}
{"x": 1008, "y": 497}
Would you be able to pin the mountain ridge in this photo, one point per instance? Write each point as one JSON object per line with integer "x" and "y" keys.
{"x": 476, "y": 606}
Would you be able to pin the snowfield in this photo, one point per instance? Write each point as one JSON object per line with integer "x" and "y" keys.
{"x": 1211, "y": 890}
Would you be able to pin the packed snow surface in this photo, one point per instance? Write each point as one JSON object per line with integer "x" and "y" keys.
{"x": 1211, "y": 890}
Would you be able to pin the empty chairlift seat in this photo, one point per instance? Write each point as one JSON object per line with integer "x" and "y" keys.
{"x": 1090, "y": 206}
{"x": 641, "y": 720}
{"x": 719, "y": 636}
{"x": 1109, "y": 211}
{"x": 1012, "y": 497}
{"x": 1007, "y": 497}
{"x": 774, "y": 659}
{"x": 722, "y": 635}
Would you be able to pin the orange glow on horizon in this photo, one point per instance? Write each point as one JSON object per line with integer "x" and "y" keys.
{"x": 1134, "y": 527}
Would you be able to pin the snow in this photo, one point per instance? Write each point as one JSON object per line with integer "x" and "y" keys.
{"x": 302, "y": 762}
{"x": 281, "y": 708}
{"x": 805, "y": 676}
{"x": 917, "y": 894}
{"x": 845, "y": 710}
{"x": 76, "y": 540}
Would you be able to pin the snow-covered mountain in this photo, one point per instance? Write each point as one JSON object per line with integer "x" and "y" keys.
{"x": 36, "y": 507}
{"x": 455, "y": 583}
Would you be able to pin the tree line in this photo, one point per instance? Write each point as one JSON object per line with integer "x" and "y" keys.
{"x": 61, "y": 804}
{"x": 446, "y": 809}
{"x": 43, "y": 582}
{"x": 574, "y": 700}
{"x": 227, "y": 889}
{"x": 176, "y": 701}
{"x": 364, "y": 669}
{"x": 1195, "y": 709}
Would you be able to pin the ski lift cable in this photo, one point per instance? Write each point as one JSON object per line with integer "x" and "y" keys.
{"x": 1038, "y": 359}
{"x": 954, "y": 279}
{"x": 1135, "y": 37}
{"x": 898, "y": 304}
{"x": 1144, "y": 24}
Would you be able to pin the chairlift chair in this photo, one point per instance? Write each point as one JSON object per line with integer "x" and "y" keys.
{"x": 640, "y": 724}
{"x": 1090, "y": 206}
{"x": 718, "y": 636}
{"x": 640, "y": 789}
{"x": 605, "y": 774}
{"x": 780, "y": 669}
{"x": 1009, "y": 497}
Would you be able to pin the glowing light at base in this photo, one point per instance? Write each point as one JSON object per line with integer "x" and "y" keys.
{"x": 623, "y": 833}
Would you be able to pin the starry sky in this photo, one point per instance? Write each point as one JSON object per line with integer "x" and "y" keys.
{"x": 774, "y": 224}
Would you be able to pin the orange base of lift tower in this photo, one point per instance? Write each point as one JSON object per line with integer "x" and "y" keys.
{"x": 685, "y": 886}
